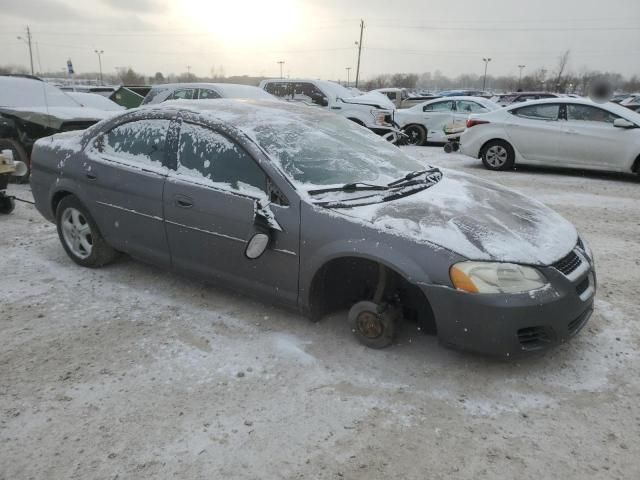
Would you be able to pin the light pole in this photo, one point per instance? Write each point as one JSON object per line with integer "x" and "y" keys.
{"x": 521, "y": 67}
{"x": 348, "y": 69}
{"x": 281, "y": 63}
{"x": 99, "y": 53}
{"x": 27, "y": 41}
{"x": 486, "y": 64}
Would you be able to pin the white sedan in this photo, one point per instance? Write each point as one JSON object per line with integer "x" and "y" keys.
{"x": 558, "y": 132}
{"x": 425, "y": 122}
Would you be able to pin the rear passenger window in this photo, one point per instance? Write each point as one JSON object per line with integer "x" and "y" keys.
{"x": 211, "y": 156}
{"x": 439, "y": 107}
{"x": 142, "y": 142}
{"x": 538, "y": 112}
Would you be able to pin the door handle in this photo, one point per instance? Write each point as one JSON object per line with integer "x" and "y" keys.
{"x": 90, "y": 176}
{"x": 183, "y": 201}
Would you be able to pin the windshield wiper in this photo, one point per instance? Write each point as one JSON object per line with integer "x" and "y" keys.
{"x": 410, "y": 176}
{"x": 349, "y": 187}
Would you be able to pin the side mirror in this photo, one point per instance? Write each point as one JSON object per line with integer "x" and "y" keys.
{"x": 623, "y": 123}
{"x": 256, "y": 246}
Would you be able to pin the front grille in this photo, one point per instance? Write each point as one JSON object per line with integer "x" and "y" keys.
{"x": 533, "y": 338}
{"x": 568, "y": 264}
{"x": 575, "y": 325}
{"x": 582, "y": 286}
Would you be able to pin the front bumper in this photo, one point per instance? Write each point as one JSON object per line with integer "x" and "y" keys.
{"x": 514, "y": 325}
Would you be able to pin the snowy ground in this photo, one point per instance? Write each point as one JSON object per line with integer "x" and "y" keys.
{"x": 133, "y": 372}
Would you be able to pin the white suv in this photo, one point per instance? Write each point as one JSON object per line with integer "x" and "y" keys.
{"x": 372, "y": 110}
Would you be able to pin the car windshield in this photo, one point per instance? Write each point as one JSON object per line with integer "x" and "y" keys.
{"x": 328, "y": 150}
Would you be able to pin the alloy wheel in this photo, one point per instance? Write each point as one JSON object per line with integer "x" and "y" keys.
{"x": 496, "y": 156}
{"x": 76, "y": 232}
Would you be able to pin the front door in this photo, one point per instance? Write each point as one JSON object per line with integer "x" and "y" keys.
{"x": 210, "y": 202}
{"x": 123, "y": 182}
{"x": 591, "y": 140}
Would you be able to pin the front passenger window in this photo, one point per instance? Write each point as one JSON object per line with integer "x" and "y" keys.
{"x": 205, "y": 154}
{"x": 184, "y": 94}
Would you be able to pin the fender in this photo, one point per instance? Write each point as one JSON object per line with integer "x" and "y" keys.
{"x": 319, "y": 246}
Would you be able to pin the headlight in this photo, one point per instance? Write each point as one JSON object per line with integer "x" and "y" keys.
{"x": 488, "y": 277}
{"x": 379, "y": 117}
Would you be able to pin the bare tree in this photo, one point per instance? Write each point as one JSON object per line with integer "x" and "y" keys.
{"x": 560, "y": 81}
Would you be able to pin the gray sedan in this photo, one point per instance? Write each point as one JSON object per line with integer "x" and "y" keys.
{"x": 306, "y": 209}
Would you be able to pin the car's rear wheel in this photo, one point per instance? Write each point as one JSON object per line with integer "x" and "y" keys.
{"x": 19, "y": 155}
{"x": 80, "y": 236}
{"x": 372, "y": 325}
{"x": 498, "y": 155}
{"x": 417, "y": 134}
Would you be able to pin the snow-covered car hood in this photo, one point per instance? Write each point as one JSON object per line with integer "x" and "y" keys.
{"x": 376, "y": 99}
{"x": 54, "y": 117}
{"x": 476, "y": 219}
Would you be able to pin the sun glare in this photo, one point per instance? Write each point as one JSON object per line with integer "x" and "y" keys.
{"x": 243, "y": 22}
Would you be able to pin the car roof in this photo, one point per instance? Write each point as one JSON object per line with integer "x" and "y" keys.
{"x": 241, "y": 112}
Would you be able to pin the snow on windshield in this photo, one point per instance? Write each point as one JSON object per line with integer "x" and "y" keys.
{"x": 26, "y": 92}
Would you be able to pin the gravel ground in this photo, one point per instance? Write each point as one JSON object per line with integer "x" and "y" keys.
{"x": 134, "y": 372}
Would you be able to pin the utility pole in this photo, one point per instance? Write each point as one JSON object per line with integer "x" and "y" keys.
{"x": 28, "y": 42}
{"x": 99, "y": 53}
{"x": 348, "y": 69}
{"x": 486, "y": 64}
{"x": 359, "y": 44}
{"x": 281, "y": 63}
{"x": 520, "y": 79}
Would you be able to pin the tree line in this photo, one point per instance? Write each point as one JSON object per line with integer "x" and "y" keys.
{"x": 558, "y": 79}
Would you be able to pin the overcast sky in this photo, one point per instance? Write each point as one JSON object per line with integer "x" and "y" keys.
{"x": 316, "y": 38}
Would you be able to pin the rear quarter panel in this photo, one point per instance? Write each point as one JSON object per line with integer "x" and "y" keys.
{"x": 54, "y": 169}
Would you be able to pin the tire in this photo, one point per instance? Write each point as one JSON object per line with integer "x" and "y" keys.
{"x": 498, "y": 155}
{"x": 80, "y": 236}
{"x": 372, "y": 327}
{"x": 417, "y": 134}
{"x": 448, "y": 148}
{"x": 19, "y": 154}
{"x": 7, "y": 204}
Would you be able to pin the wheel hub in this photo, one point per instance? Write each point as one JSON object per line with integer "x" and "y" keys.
{"x": 369, "y": 325}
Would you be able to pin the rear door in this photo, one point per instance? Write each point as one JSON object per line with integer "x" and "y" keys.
{"x": 535, "y": 131}
{"x": 124, "y": 177}
{"x": 436, "y": 116}
{"x": 209, "y": 203}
